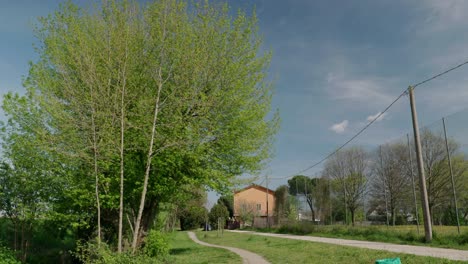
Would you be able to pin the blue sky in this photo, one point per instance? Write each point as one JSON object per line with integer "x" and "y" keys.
{"x": 335, "y": 64}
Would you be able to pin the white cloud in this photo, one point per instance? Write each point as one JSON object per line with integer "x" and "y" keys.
{"x": 372, "y": 117}
{"x": 339, "y": 127}
{"x": 363, "y": 90}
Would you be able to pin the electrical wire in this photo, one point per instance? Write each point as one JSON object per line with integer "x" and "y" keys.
{"x": 376, "y": 118}
{"x": 440, "y": 74}
{"x": 355, "y": 136}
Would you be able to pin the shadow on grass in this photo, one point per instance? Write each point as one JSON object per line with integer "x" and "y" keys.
{"x": 179, "y": 251}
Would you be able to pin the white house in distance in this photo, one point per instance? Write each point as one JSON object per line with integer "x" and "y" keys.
{"x": 256, "y": 202}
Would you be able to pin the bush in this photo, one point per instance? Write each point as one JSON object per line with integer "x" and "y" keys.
{"x": 410, "y": 237}
{"x": 463, "y": 238}
{"x": 298, "y": 228}
{"x": 192, "y": 218}
{"x": 90, "y": 253}
{"x": 218, "y": 211}
{"x": 7, "y": 256}
{"x": 156, "y": 245}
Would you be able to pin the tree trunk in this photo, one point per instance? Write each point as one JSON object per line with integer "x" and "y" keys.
{"x": 150, "y": 150}
{"x": 16, "y": 236}
{"x": 352, "y": 216}
{"x": 149, "y": 214}
{"x": 96, "y": 175}
{"x": 122, "y": 127}
{"x": 122, "y": 145}
{"x": 22, "y": 243}
{"x": 147, "y": 170}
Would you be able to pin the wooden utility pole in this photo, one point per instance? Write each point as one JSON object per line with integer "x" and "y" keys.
{"x": 422, "y": 177}
{"x": 267, "y": 212}
{"x": 416, "y": 213}
{"x": 451, "y": 175}
{"x": 384, "y": 176}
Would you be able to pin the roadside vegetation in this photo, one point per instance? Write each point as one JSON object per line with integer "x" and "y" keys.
{"x": 279, "y": 250}
{"x": 443, "y": 236}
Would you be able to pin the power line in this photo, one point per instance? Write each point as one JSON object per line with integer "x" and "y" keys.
{"x": 377, "y": 117}
{"x": 356, "y": 135}
{"x": 440, "y": 74}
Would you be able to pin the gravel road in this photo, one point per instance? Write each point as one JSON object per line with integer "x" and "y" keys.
{"x": 453, "y": 254}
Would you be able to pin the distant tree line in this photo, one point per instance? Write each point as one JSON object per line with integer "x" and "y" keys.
{"x": 359, "y": 185}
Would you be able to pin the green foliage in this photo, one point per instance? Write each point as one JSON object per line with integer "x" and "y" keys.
{"x": 218, "y": 212}
{"x": 91, "y": 253}
{"x": 193, "y": 217}
{"x": 156, "y": 244}
{"x": 281, "y": 199}
{"x": 111, "y": 83}
{"x": 300, "y": 185}
{"x": 51, "y": 242}
{"x": 228, "y": 201}
{"x": 315, "y": 190}
{"x": 7, "y": 256}
{"x": 399, "y": 235}
{"x": 297, "y": 228}
{"x": 286, "y": 206}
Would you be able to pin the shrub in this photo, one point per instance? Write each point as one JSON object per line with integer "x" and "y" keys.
{"x": 90, "y": 253}
{"x": 463, "y": 238}
{"x": 218, "y": 211}
{"x": 7, "y": 256}
{"x": 156, "y": 245}
{"x": 192, "y": 218}
{"x": 298, "y": 228}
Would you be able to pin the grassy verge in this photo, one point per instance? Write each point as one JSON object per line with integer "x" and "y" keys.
{"x": 184, "y": 250}
{"x": 278, "y": 250}
{"x": 443, "y": 236}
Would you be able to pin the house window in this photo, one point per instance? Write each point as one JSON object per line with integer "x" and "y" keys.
{"x": 259, "y": 207}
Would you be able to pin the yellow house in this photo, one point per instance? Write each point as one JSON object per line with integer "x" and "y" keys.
{"x": 254, "y": 200}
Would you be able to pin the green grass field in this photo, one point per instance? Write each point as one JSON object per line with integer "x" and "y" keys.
{"x": 184, "y": 251}
{"x": 277, "y": 250}
{"x": 403, "y": 229}
{"x": 443, "y": 236}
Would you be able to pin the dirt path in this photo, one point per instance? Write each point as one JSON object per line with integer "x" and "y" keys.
{"x": 452, "y": 254}
{"x": 247, "y": 256}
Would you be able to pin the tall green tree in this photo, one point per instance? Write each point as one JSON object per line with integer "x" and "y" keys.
{"x": 303, "y": 185}
{"x": 144, "y": 100}
{"x": 228, "y": 202}
{"x": 218, "y": 213}
{"x": 285, "y": 204}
